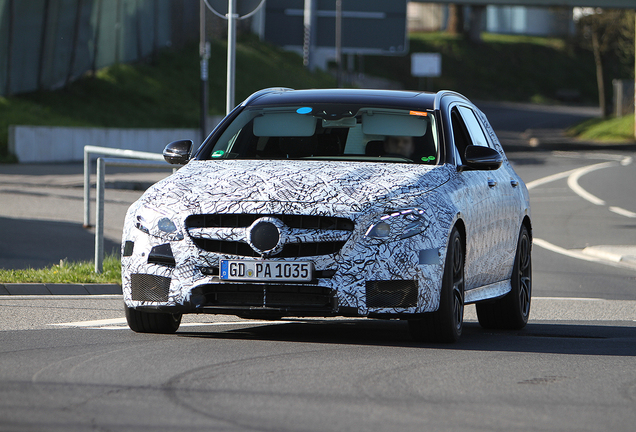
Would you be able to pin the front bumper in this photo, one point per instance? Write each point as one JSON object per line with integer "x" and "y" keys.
{"x": 360, "y": 280}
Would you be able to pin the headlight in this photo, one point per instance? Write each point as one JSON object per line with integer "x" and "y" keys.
{"x": 166, "y": 225}
{"x": 157, "y": 225}
{"x": 398, "y": 225}
{"x": 379, "y": 230}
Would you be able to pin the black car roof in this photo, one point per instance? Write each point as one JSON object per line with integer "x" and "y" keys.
{"x": 384, "y": 98}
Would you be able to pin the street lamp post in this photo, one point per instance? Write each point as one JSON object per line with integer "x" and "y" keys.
{"x": 204, "y": 52}
{"x": 247, "y": 8}
{"x": 231, "y": 54}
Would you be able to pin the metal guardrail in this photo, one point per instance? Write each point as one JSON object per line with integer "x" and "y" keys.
{"x": 107, "y": 151}
{"x": 143, "y": 160}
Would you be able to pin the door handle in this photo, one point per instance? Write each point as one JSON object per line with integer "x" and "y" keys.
{"x": 514, "y": 183}
{"x": 492, "y": 183}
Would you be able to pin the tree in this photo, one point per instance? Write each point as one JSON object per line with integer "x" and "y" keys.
{"x": 455, "y": 22}
{"x": 606, "y": 33}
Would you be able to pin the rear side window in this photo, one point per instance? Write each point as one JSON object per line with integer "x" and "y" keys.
{"x": 474, "y": 128}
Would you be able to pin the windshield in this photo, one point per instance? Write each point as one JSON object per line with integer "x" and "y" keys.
{"x": 370, "y": 134}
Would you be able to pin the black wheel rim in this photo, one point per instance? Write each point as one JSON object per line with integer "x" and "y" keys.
{"x": 458, "y": 283}
{"x": 525, "y": 274}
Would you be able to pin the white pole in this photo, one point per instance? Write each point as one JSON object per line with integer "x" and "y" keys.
{"x": 204, "y": 53}
{"x": 87, "y": 189}
{"x": 99, "y": 217}
{"x": 309, "y": 36}
{"x": 339, "y": 41}
{"x": 231, "y": 53}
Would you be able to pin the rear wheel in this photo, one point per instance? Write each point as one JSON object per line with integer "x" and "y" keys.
{"x": 150, "y": 322}
{"x": 511, "y": 311}
{"x": 445, "y": 324}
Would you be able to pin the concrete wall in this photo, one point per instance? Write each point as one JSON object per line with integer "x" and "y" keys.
{"x": 32, "y": 144}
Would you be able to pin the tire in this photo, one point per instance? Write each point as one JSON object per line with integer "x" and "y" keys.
{"x": 445, "y": 324}
{"x": 151, "y": 322}
{"x": 511, "y": 311}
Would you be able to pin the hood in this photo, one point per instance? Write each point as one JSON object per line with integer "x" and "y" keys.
{"x": 211, "y": 186}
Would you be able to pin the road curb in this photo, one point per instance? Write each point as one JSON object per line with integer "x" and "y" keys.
{"x": 58, "y": 289}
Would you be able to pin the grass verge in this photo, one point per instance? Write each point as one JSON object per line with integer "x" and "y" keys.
{"x": 617, "y": 129}
{"x": 163, "y": 93}
{"x": 79, "y": 272}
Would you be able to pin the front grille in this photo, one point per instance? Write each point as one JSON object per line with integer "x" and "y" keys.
{"x": 289, "y": 250}
{"x": 146, "y": 287}
{"x": 223, "y": 220}
{"x": 391, "y": 294}
{"x": 259, "y": 295}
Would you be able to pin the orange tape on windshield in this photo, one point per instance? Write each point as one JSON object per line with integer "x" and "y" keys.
{"x": 419, "y": 113}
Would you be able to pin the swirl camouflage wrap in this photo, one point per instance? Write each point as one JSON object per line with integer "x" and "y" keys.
{"x": 349, "y": 234}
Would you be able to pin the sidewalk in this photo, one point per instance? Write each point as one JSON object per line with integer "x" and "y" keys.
{"x": 71, "y": 175}
{"x": 41, "y": 211}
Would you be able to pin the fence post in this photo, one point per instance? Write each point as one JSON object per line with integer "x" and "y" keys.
{"x": 87, "y": 189}
{"x": 99, "y": 217}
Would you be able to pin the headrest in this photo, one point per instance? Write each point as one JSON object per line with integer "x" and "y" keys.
{"x": 374, "y": 148}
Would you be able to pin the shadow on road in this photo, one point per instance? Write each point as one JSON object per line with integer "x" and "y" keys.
{"x": 29, "y": 243}
{"x": 549, "y": 338}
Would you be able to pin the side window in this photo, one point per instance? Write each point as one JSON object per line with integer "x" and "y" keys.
{"x": 476, "y": 132}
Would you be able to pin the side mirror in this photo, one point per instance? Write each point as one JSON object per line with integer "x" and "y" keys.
{"x": 481, "y": 158}
{"x": 178, "y": 152}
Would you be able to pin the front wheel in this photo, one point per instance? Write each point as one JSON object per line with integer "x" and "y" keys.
{"x": 511, "y": 311}
{"x": 152, "y": 322}
{"x": 445, "y": 324}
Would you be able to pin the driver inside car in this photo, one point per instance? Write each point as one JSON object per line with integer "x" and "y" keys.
{"x": 399, "y": 146}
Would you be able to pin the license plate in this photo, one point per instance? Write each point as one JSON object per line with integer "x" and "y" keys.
{"x": 267, "y": 271}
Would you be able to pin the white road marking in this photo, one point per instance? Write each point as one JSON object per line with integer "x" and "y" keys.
{"x": 115, "y": 323}
{"x": 622, "y": 212}
{"x": 554, "y": 177}
{"x": 567, "y": 252}
{"x": 624, "y": 160}
{"x": 573, "y": 178}
{"x": 579, "y": 254}
{"x": 93, "y": 323}
{"x": 573, "y": 182}
{"x": 578, "y": 299}
{"x": 575, "y": 174}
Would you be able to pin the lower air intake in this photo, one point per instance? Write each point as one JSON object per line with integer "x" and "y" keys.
{"x": 391, "y": 294}
{"x": 147, "y": 287}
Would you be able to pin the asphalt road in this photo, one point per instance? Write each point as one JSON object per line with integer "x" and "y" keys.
{"x": 317, "y": 375}
{"x": 70, "y": 363}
